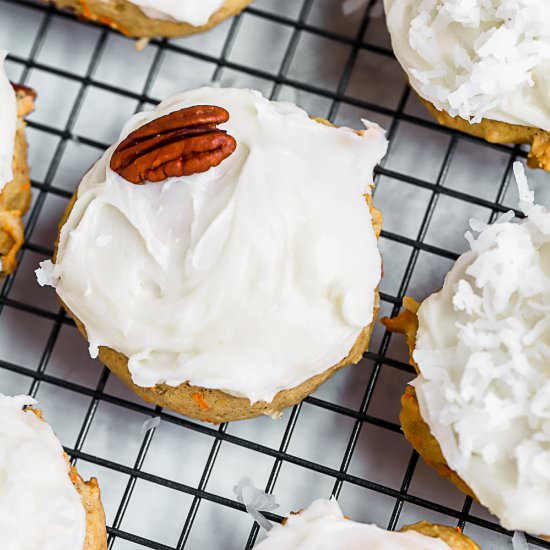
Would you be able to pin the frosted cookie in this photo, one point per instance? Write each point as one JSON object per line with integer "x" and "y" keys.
{"x": 44, "y": 503}
{"x": 15, "y": 186}
{"x": 151, "y": 18}
{"x": 222, "y": 257}
{"x": 480, "y": 67}
{"x": 478, "y": 409}
{"x": 323, "y": 525}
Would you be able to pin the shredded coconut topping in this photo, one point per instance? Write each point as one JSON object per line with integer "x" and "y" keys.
{"x": 477, "y": 58}
{"x": 483, "y": 348}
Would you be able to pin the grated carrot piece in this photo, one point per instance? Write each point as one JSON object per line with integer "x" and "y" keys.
{"x": 200, "y": 401}
{"x": 86, "y": 11}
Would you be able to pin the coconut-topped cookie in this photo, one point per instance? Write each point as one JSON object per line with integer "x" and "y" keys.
{"x": 225, "y": 243}
{"x": 481, "y": 67}
{"x": 15, "y": 187}
{"x": 323, "y": 525}
{"x": 44, "y": 504}
{"x": 152, "y": 18}
{"x": 481, "y": 345}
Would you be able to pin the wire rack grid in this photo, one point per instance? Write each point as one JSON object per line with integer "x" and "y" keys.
{"x": 170, "y": 487}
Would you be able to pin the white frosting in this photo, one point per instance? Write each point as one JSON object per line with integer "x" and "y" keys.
{"x": 251, "y": 277}
{"x": 39, "y": 506}
{"x": 323, "y": 526}
{"x": 194, "y": 12}
{"x": 477, "y": 58}
{"x": 483, "y": 349}
{"x": 8, "y": 124}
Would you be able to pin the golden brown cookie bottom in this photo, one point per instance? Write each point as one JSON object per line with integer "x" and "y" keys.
{"x": 128, "y": 19}
{"x": 504, "y": 133}
{"x": 15, "y": 197}
{"x": 454, "y": 537}
{"x": 96, "y": 533}
{"x": 414, "y": 427}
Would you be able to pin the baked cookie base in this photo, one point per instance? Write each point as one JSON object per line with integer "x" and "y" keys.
{"x": 415, "y": 429}
{"x": 454, "y": 537}
{"x": 504, "y": 133}
{"x": 15, "y": 197}
{"x": 96, "y": 533}
{"x": 128, "y": 18}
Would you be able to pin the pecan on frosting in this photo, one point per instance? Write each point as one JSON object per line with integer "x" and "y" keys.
{"x": 181, "y": 143}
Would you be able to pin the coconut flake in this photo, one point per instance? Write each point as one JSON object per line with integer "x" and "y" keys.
{"x": 142, "y": 43}
{"x": 150, "y": 424}
{"x": 526, "y": 196}
{"x": 519, "y": 542}
{"x": 255, "y": 501}
{"x": 93, "y": 348}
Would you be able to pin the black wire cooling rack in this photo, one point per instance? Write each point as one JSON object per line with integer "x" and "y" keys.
{"x": 427, "y": 179}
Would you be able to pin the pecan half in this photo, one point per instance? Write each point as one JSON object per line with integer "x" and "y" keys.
{"x": 181, "y": 143}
